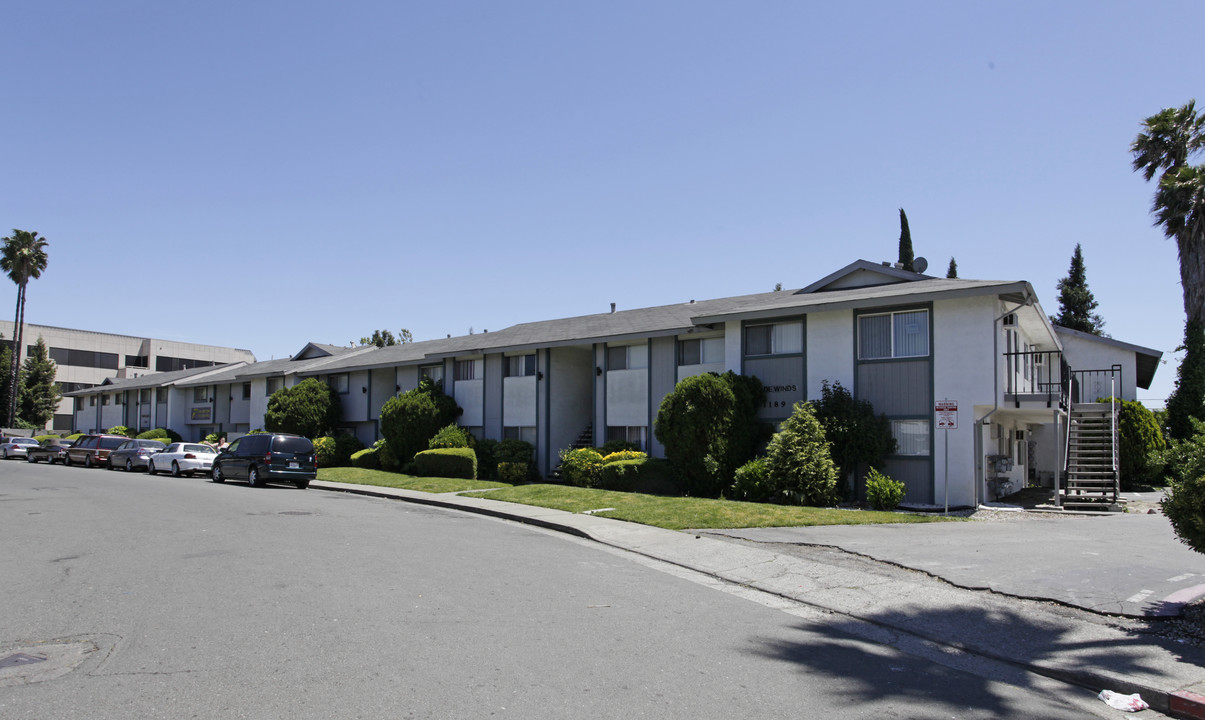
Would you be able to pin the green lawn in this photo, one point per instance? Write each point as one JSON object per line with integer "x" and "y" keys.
{"x": 361, "y": 476}
{"x": 673, "y": 513}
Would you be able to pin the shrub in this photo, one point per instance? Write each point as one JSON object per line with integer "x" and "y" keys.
{"x": 800, "y": 465}
{"x": 517, "y": 451}
{"x": 512, "y": 472}
{"x": 389, "y": 460}
{"x": 411, "y": 419}
{"x": 447, "y": 463}
{"x": 324, "y": 451}
{"x": 120, "y": 430}
{"x": 856, "y": 435}
{"x": 451, "y": 436}
{"x": 623, "y": 455}
{"x": 160, "y": 433}
{"x": 311, "y": 408}
{"x": 614, "y": 446}
{"x": 752, "y": 482}
{"x": 882, "y": 492}
{"x": 1141, "y": 444}
{"x": 346, "y": 446}
{"x": 212, "y": 438}
{"x": 1184, "y": 404}
{"x": 366, "y": 459}
{"x": 621, "y": 475}
{"x": 487, "y": 463}
{"x": 75, "y": 436}
{"x": 1184, "y": 504}
{"x": 745, "y": 435}
{"x": 581, "y": 467}
{"x": 40, "y": 438}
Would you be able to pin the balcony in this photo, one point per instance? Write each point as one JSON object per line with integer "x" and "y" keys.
{"x": 1044, "y": 377}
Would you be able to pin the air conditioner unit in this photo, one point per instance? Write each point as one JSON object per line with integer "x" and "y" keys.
{"x": 1010, "y": 320}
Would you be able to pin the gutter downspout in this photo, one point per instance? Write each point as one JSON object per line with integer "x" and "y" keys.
{"x": 980, "y": 471}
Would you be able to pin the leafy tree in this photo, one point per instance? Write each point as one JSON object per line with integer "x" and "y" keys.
{"x": 1076, "y": 301}
{"x": 23, "y": 259}
{"x": 6, "y": 359}
{"x": 952, "y": 270}
{"x": 40, "y": 394}
{"x": 906, "y": 257}
{"x": 858, "y": 436}
{"x": 693, "y": 423}
{"x": 777, "y": 287}
{"x": 385, "y": 338}
{"x": 409, "y": 420}
{"x": 744, "y": 434}
{"x": 1168, "y": 140}
{"x": 310, "y": 408}
{"x": 801, "y": 467}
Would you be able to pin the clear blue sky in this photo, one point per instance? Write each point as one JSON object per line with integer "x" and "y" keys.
{"x": 442, "y": 166}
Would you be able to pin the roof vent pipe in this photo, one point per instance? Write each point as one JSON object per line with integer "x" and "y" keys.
{"x": 612, "y": 307}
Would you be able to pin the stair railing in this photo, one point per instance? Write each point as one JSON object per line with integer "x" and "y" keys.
{"x": 1113, "y": 435}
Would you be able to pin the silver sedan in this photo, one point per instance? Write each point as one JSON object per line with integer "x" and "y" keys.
{"x": 183, "y": 459}
{"x": 15, "y": 447}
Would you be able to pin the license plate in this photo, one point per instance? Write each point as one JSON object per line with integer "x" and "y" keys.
{"x": 293, "y": 466}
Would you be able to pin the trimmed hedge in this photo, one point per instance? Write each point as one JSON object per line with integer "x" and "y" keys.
{"x": 447, "y": 463}
{"x": 159, "y": 434}
{"x": 621, "y": 475}
{"x": 367, "y": 459}
{"x": 512, "y": 472}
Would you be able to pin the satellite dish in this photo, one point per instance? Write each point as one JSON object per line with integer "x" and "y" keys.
{"x": 920, "y": 265}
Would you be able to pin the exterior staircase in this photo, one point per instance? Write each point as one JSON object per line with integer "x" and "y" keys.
{"x": 1092, "y": 476}
{"x": 585, "y": 439}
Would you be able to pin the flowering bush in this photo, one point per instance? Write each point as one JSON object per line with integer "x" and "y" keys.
{"x": 581, "y": 467}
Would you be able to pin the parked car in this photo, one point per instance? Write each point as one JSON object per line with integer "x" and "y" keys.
{"x": 93, "y": 450}
{"x": 15, "y": 447}
{"x": 183, "y": 459}
{"x": 51, "y": 450}
{"x": 267, "y": 457}
{"x": 134, "y": 454}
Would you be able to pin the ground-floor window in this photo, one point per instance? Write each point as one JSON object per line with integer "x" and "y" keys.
{"x": 911, "y": 437}
{"x": 635, "y": 434}
{"x": 525, "y": 433}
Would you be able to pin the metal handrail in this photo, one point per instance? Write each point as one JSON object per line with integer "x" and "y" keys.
{"x": 1034, "y": 373}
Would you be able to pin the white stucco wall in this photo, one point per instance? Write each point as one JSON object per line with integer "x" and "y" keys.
{"x": 963, "y": 365}
{"x": 627, "y": 398}
{"x": 470, "y": 396}
{"x": 830, "y": 350}
{"x": 519, "y": 401}
{"x": 1086, "y": 354}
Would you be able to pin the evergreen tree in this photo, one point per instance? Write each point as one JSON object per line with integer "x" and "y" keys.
{"x": 1076, "y": 302}
{"x": 906, "y": 257}
{"x": 40, "y": 394}
{"x": 952, "y": 271}
{"x": 6, "y": 360}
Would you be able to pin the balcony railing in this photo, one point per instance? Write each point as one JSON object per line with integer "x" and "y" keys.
{"x": 1088, "y": 386}
{"x": 1037, "y": 376}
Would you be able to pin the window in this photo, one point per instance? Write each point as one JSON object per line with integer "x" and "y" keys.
{"x": 465, "y": 370}
{"x": 144, "y": 395}
{"x": 911, "y": 437}
{"x": 434, "y": 373}
{"x": 520, "y": 366}
{"x": 631, "y": 433}
{"x": 136, "y": 361}
{"x": 91, "y": 401}
{"x": 707, "y": 351}
{"x": 274, "y": 384}
{"x": 247, "y": 391}
{"x": 893, "y": 335}
{"x": 117, "y": 398}
{"x": 161, "y": 395}
{"x": 104, "y": 399}
{"x": 526, "y": 434}
{"x": 338, "y": 383}
{"x": 83, "y": 358}
{"x": 200, "y": 394}
{"x": 775, "y": 339}
{"x": 164, "y": 363}
{"x": 627, "y": 357}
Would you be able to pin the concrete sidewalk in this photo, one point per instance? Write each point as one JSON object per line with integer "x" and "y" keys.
{"x": 1075, "y": 646}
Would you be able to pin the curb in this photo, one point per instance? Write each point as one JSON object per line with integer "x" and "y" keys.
{"x": 1180, "y": 703}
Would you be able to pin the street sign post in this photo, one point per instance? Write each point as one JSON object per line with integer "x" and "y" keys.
{"x": 946, "y": 418}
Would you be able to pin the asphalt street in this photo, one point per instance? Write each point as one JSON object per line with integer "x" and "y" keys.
{"x": 154, "y": 597}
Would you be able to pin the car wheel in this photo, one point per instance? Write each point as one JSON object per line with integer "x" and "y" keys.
{"x": 5, "y": 451}
{"x": 150, "y": 467}
{"x": 67, "y": 460}
{"x": 175, "y": 469}
{"x": 253, "y": 476}
{"x": 129, "y": 466}
{"x": 109, "y": 464}
{"x": 88, "y": 461}
{"x": 30, "y": 458}
{"x": 216, "y": 474}
{"x": 301, "y": 484}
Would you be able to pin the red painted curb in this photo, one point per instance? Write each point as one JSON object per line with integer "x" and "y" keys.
{"x": 1187, "y": 704}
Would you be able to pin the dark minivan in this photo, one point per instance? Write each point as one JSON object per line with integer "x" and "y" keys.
{"x": 267, "y": 457}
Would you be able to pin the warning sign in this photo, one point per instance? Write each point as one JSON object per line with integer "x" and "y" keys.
{"x": 947, "y": 414}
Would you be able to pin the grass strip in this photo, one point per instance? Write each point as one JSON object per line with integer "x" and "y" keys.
{"x": 364, "y": 476}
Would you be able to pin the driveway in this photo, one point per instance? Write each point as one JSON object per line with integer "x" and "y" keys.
{"x": 1121, "y": 563}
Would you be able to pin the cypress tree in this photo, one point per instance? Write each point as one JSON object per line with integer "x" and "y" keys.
{"x": 1187, "y": 400}
{"x": 906, "y": 257}
{"x": 952, "y": 271}
{"x": 1076, "y": 302}
{"x": 40, "y": 394}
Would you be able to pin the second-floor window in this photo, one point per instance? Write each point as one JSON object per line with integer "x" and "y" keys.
{"x": 520, "y": 366}
{"x": 774, "y": 338}
{"x": 627, "y": 357}
{"x": 466, "y": 370}
{"x": 707, "y": 351}
{"x": 886, "y": 336}
{"x": 200, "y": 394}
{"x": 274, "y": 384}
{"x": 338, "y": 383}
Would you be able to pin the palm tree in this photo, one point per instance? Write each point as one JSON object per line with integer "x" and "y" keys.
{"x": 1170, "y": 138}
{"x": 23, "y": 258}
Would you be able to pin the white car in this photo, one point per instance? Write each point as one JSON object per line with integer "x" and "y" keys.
{"x": 15, "y": 447}
{"x": 182, "y": 459}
